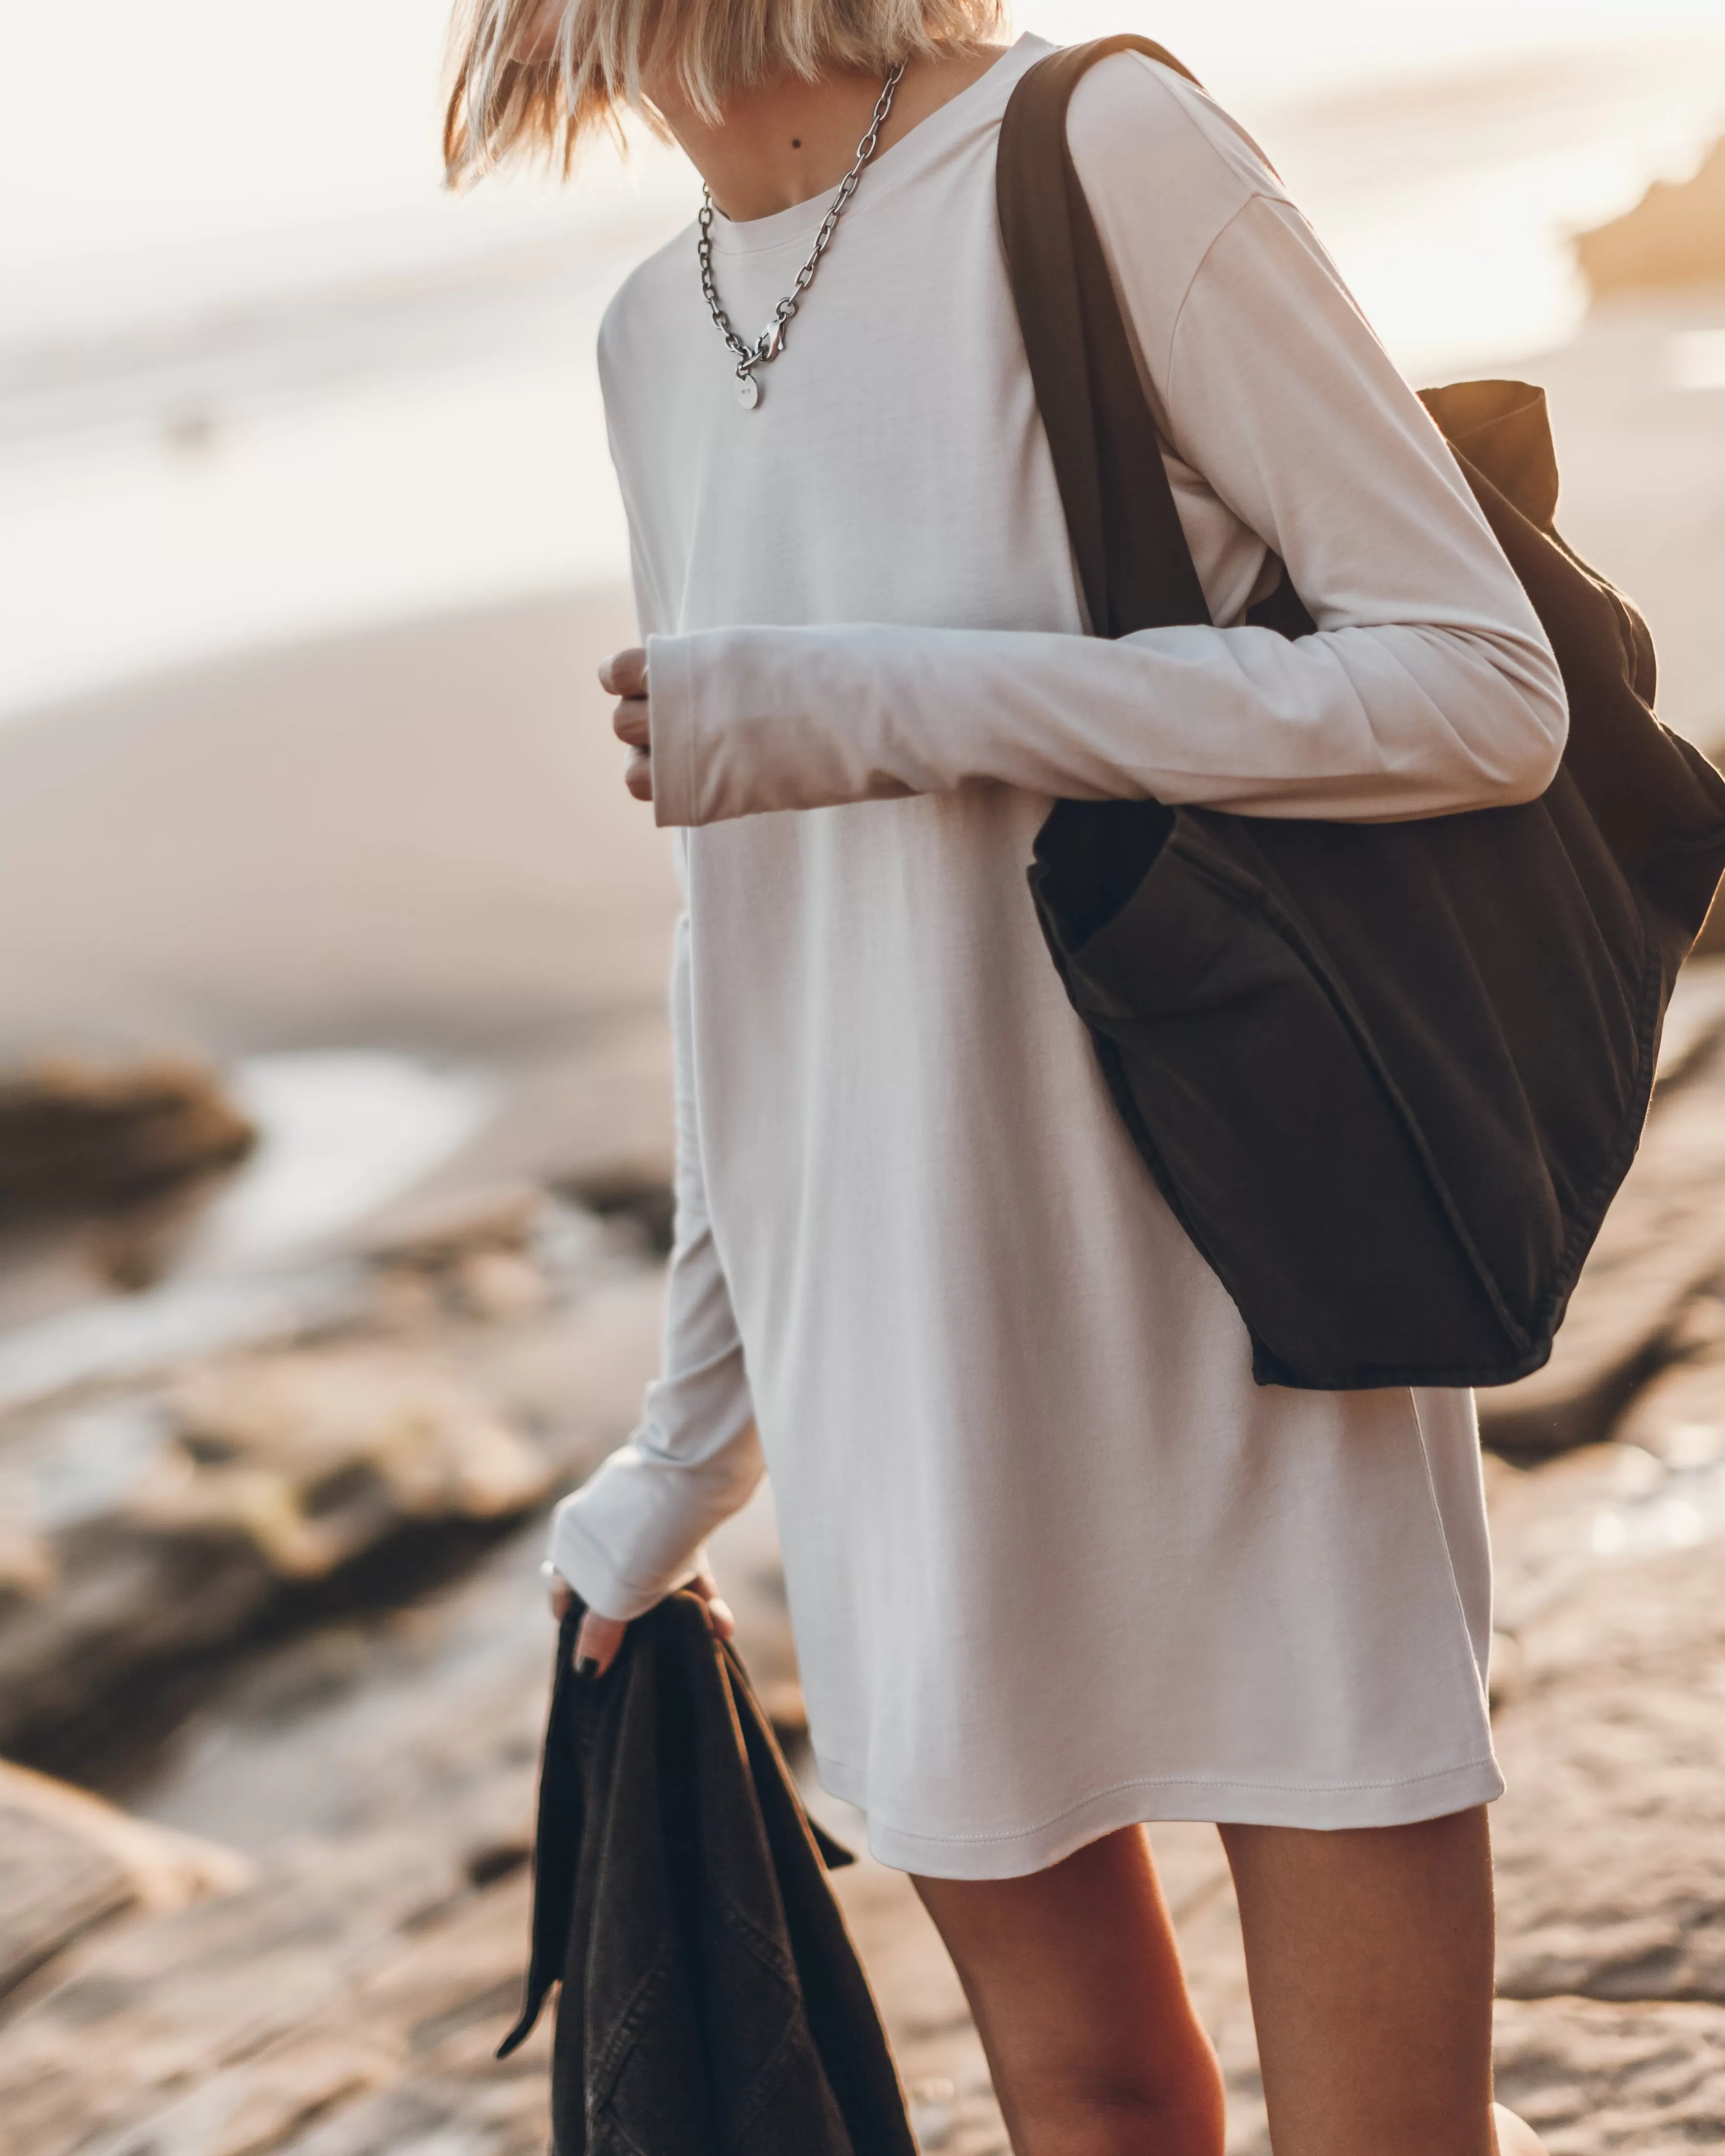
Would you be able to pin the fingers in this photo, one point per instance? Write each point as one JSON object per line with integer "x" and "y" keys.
{"x": 597, "y": 1643}
{"x": 625, "y": 677}
{"x": 600, "y": 1638}
{"x": 624, "y": 673}
{"x": 718, "y": 1610}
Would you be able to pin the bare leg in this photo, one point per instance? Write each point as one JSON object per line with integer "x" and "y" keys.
{"x": 1075, "y": 1980}
{"x": 1370, "y": 1956}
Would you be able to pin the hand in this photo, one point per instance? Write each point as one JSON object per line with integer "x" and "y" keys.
{"x": 597, "y": 1642}
{"x": 625, "y": 677}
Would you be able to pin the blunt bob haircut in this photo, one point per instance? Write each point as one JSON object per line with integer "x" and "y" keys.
{"x": 530, "y": 79}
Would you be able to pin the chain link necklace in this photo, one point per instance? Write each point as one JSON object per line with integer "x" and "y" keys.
{"x": 770, "y": 343}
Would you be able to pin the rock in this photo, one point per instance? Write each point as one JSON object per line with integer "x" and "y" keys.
{"x": 1546, "y": 1533}
{"x": 317, "y": 1455}
{"x": 1694, "y": 1019}
{"x": 349, "y": 1996}
{"x": 1675, "y": 235}
{"x": 500, "y": 1284}
{"x": 1661, "y": 1247}
{"x": 436, "y": 1233}
{"x": 196, "y": 1507}
{"x": 637, "y": 1191}
{"x": 347, "y": 1999}
{"x": 351, "y": 1988}
{"x": 77, "y": 1138}
{"x": 122, "y": 1603}
{"x": 1680, "y": 1416}
{"x": 378, "y": 1769}
{"x": 1593, "y": 2080}
{"x": 70, "y": 1863}
{"x": 1609, "y": 1880}
{"x": 270, "y": 1473}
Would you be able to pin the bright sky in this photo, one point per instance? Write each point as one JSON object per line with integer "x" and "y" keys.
{"x": 153, "y": 123}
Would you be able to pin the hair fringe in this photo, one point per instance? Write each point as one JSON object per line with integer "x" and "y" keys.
{"x": 522, "y": 91}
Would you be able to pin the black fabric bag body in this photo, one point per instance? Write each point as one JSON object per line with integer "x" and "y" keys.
{"x": 1388, "y": 1076}
{"x": 713, "y": 2003}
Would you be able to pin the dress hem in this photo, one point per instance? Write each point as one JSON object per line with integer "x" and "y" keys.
{"x": 1013, "y": 1852}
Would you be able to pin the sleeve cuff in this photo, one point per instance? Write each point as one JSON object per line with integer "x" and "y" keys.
{"x": 670, "y": 680}
{"x": 589, "y": 1570}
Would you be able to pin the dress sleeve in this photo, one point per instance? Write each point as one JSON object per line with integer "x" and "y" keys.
{"x": 1429, "y": 687}
{"x": 633, "y": 1530}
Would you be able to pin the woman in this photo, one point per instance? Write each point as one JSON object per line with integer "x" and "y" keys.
{"x": 1056, "y": 1566}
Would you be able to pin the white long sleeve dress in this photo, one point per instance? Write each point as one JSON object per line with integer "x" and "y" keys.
{"x": 1055, "y": 1563}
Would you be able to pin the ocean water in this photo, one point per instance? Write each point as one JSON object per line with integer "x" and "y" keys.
{"x": 259, "y": 377}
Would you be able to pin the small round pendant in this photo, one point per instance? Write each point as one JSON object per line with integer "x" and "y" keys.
{"x": 749, "y": 391}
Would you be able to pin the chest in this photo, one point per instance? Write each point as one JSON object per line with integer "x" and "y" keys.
{"x": 895, "y": 468}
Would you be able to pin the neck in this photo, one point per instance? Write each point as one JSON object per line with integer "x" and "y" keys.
{"x": 784, "y": 141}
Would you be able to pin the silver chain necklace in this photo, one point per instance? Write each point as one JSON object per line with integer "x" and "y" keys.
{"x": 770, "y": 343}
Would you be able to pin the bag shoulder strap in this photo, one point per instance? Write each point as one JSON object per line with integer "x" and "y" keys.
{"x": 1134, "y": 565}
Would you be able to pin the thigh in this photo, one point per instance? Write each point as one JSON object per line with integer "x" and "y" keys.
{"x": 1075, "y": 1980}
{"x": 1369, "y": 1953}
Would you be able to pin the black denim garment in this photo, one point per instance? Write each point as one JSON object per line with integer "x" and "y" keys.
{"x": 713, "y": 2003}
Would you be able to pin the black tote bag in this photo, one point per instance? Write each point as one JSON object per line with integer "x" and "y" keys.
{"x": 1388, "y": 1076}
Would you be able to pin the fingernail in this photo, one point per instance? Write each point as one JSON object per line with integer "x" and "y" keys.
{"x": 586, "y": 1668}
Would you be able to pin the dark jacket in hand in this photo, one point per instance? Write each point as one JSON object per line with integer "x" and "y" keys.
{"x": 713, "y": 2003}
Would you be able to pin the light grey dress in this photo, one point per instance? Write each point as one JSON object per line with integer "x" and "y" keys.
{"x": 1055, "y": 1562}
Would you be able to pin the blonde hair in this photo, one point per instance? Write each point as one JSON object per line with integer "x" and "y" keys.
{"x": 518, "y": 90}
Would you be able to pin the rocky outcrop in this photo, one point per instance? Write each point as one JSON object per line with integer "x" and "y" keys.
{"x": 316, "y": 1457}
{"x": 348, "y": 1994}
{"x": 345, "y": 1999}
{"x": 268, "y": 1474}
{"x": 1645, "y": 2081}
{"x": 70, "y": 1864}
{"x": 1647, "y": 1286}
{"x": 1674, "y": 236}
{"x": 1610, "y": 1882}
{"x": 355, "y": 1991}
{"x": 337, "y": 1990}
{"x": 79, "y": 1138}
{"x": 487, "y": 1370}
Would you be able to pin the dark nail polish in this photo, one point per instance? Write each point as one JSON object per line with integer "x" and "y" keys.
{"x": 587, "y": 1668}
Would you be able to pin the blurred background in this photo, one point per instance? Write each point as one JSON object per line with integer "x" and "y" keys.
{"x": 333, "y": 1106}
